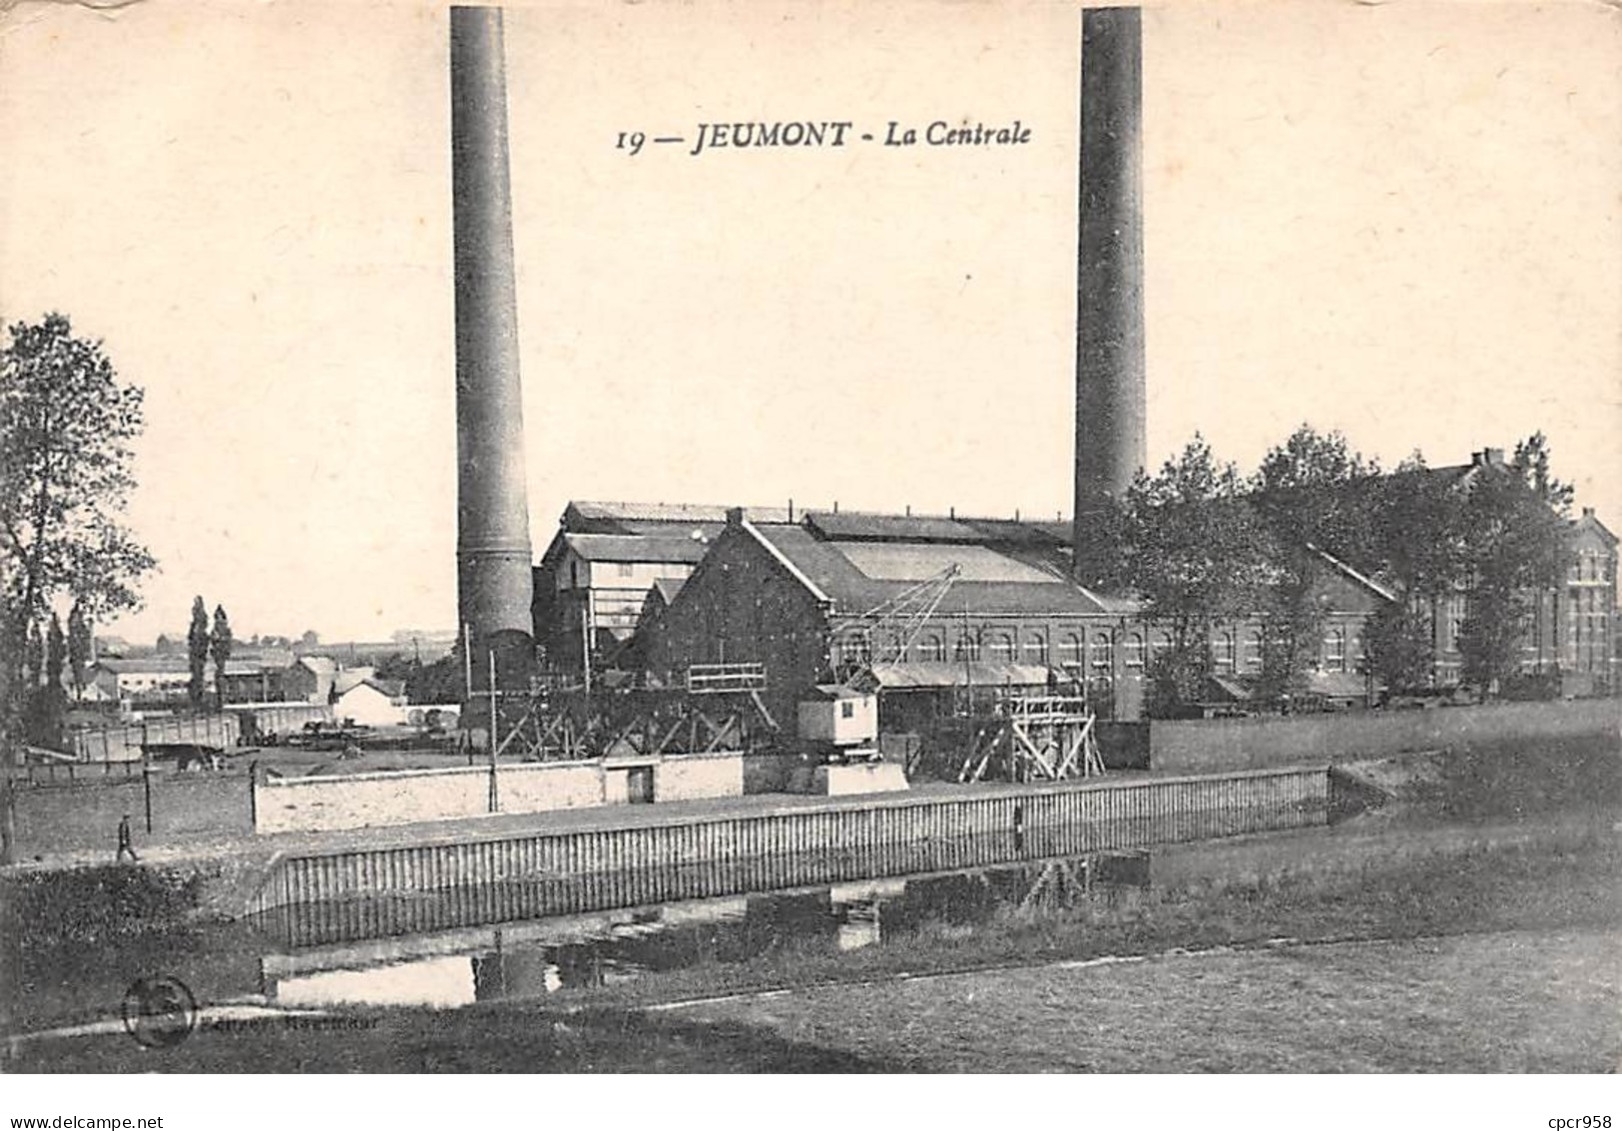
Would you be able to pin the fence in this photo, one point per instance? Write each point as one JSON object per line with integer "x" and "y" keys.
{"x": 369, "y": 892}
{"x": 262, "y": 721}
{"x": 124, "y": 744}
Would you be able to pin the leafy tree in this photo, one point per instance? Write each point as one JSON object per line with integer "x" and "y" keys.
{"x": 1418, "y": 547}
{"x": 1399, "y": 641}
{"x": 197, "y": 641}
{"x": 80, "y": 646}
{"x": 1315, "y": 495}
{"x": 1194, "y": 553}
{"x": 219, "y": 647}
{"x": 438, "y": 682}
{"x": 49, "y": 700}
{"x": 1517, "y": 542}
{"x": 67, "y": 426}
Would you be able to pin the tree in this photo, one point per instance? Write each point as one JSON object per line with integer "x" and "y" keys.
{"x": 49, "y": 700}
{"x": 219, "y": 646}
{"x": 1315, "y": 495}
{"x": 1418, "y": 546}
{"x": 1517, "y": 543}
{"x": 1193, "y": 552}
{"x": 197, "y": 641}
{"x": 67, "y": 426}
{"x": 80, "y": 646}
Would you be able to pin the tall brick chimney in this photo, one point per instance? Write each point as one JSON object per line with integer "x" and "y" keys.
{"x": 1111, "y": 395}
{"x": 493, "y": 558}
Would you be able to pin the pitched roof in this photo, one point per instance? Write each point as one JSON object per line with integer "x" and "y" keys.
{"x": 637, "y": 548}
{"x": 160, "y": 664}
{"x": 351, "y": 677}
{"x": 1015, "y": 587}
{"x": 668, "y": 587}
{"x": 1588, "y": 521}
{"x": 850, "y": 527}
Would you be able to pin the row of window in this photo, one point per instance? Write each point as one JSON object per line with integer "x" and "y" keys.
{"x": 1079, "y": 649}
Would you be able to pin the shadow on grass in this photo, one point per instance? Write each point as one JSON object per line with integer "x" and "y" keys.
{"x": 510, "y": 1039}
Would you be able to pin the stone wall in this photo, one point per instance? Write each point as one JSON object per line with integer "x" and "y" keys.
{"x": 319, "y": 804}
{"x": 695, "y": 776}
{"x": 1225, "y": 744}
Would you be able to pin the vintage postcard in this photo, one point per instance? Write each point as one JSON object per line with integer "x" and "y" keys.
{"x": 809, "y": 538}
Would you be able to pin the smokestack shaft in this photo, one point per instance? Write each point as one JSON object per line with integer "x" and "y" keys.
{"x": 493, "y": 555}
{"x": 1111, "y": 396}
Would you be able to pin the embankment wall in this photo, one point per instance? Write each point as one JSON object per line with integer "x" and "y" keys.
{"x": 356, "y": 892}
{"x": 1199, "y": 746}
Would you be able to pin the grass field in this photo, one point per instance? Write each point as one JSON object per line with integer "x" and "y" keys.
{"x": 1516, "y": 1002}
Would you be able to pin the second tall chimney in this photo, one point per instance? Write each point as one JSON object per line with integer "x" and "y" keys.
{"x": 1111, "y": 395}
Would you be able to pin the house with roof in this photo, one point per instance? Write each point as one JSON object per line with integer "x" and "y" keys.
{"x": 359, "y": 696}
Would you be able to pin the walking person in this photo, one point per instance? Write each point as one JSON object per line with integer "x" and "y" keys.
{"x": 125, "y": 843}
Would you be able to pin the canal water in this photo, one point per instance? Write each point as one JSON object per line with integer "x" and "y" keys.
{"x": 564, "y": 957}
{"x": 1460, "y": 876}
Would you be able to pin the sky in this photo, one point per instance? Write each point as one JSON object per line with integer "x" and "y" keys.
{"x": 1403, "y": 221}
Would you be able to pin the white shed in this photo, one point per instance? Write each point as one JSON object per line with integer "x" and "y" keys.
{"x": 840, "y": 716}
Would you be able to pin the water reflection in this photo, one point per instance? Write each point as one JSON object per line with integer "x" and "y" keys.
{"x": 578, "y": 952}
{"x": 556, "y": 955}
{"x": 550, "y": 956}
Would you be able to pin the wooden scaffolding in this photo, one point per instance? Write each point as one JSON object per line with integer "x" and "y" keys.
{"x": 1031, "y": 738}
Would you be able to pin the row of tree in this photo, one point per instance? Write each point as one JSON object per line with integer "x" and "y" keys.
{"x": 1203, "y": 545}
{"x": 203, "y": 644}
{"x": 67, "y": 430}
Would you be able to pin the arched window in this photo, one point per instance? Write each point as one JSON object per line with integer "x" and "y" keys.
{"x": 1002, "y": 647}
{"x": 1134, "y": 650}
{"x": 1103, "y": 652}
{"x": 1073, "y": 650}
{"x": 1335, "y": 650}
{"x": 1253, "y": 650}
{"x": 932, "y": 646}
{"x": 1036, "y": 649}
{"x": 1222, "y": 651}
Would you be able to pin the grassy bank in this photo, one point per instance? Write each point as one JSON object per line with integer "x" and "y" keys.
{"x": 1506, "y": 1002}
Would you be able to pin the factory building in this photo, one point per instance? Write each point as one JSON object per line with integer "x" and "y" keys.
{"x": 794, "y": 597}
{"x": 593, "y": 580}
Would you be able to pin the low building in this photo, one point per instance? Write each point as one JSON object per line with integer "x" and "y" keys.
{"x": 369, "y": 701}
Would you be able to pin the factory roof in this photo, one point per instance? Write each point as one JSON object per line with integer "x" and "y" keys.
{"x": 992, "y": 582}
{"x": 638, "y": 548}
{"x": 588, "y": 517}
{"x": 944, "y": 673}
